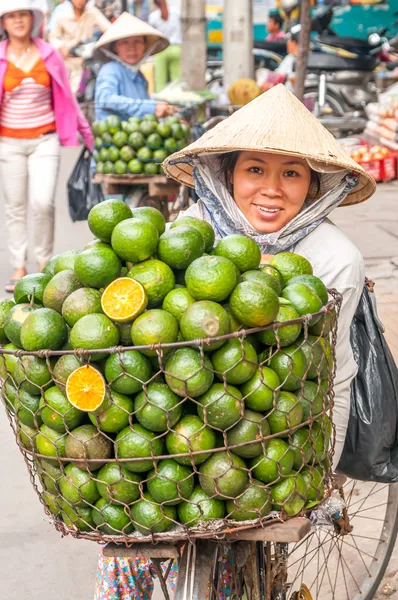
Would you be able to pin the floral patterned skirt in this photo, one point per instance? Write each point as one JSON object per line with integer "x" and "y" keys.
{"x": 133, "y": 578}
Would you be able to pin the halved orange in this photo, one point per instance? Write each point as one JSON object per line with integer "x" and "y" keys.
{"x": 124, "y": 299}
{"x": 85, "y": 388}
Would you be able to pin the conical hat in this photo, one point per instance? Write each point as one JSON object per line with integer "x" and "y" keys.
{"x": 275, "y": 122}
{"x": 128, "y": 26}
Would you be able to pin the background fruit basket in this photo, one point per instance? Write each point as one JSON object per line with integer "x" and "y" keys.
{"x": 164, "y": 388}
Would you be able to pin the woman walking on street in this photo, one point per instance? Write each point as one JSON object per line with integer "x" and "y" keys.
{"x": 38, "y": 114}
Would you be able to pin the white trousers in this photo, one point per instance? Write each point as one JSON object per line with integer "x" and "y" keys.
{"x": 28, "y": 174}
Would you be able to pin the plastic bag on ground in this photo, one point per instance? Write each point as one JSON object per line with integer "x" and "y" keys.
{"x": 83, "y": 194}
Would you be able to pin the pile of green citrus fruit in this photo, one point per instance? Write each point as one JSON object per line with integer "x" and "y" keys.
{"x": 240, "y": 423}
{"x": 137, "y": 146}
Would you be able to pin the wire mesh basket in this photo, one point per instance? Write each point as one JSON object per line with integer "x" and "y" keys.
{"x": 191, "y": 440}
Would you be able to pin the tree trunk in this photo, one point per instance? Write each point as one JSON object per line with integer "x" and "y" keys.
{"x": 194, "y": 44}
{"x": 238, "y": 41}
{"x": 302, "y": 60}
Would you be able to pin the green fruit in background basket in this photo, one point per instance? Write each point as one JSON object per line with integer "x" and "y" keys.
{"x": 27, "y": 409}
{"x": 171, "y": 145}
{"x": 285, "y": 335}
{"x": 205, "y": 319}
{"x": 113, "y": 414}
{"x": 251, "y": 427}
{"x": 79, "y": 517}
{"x": 235, "y": 362}
{"x": 98, "y": 143}
{"x": 13, "y": 322}
{"x": 264, "y": 278}
{"x": 29, "y": 288}
{"x": 160, "y": 155}
{"x": 290, "y": 365}
{"x": 135, "y": 167}
{"x": 289, "y": 495}
{"x": 32, "y": 374}
{"x": 147, "y": 127}
{"x": 177, "y": 302}
{"x": 254, "y": 304}
{"x": 223, "y": 475}
{"x": 149, "y": 517}
{"x": 87, "y": 443}
{"x": 220, "y": 407}
{"x": 276, "y": 462}
{"x": 288, "y": 413}
{"x": 200, "y": 507}
{"x": 137, "y": 442}
{"x": 113, "y": 124}
{"x": 157, "y": 279}
{"x": 107, "y": 138}
{"x": 99, "y": 168}
{"x": 59, "y": 288}
{"x": 51, "y": 501}
{"x": 94, "y": 332}
{"x": 112, "y": 518}
{"x": 211, "y": 278}
{"x": 304, "y": 300}
{"x": 104, "y": 217}
{"x": 108, "y": 167}
{"x": 136, "y": 140}
{"x": 153, "y": 215}
{"x": 151, "y": 169}
{"x": 314, "y": 478}
{"x": 155, "y": 326}
{"x": 50, "y": 443}
{"x": 254, "y": 503}
{"x": 164, "y": 130}
{"x": 300, "y": 443}
{"x": 144, "y": 154}
{"x": 127, "y": 154}
{"x": 64, "y": 366}
{"x": 135, "y": 240}
{"x": 154, "y": 141}
{"x": 120, "y": 139}
{"x": 126, "y": 372}
{"x": 177, "y": 131}
{"x": 158, "y": 408}
{"x": 190, "y": 435}
{"x": 244, "y": 252}
{"x": 96, "y": 156}
{"x": 104, "y": 155}
{"x": 44, "y": 329}
{"x": 187, "y": 373}
{"x": 319, "y": 358}
{"x": 113, "y": 153}
{"x": 290, "y": 265}
{"x": 260, "y": 391}
{"x": 170, "y": 482}
{"x": 81, "y": 302}
{"x": 121, "y": 167}
{"x": 186, "y": 129}
{"x": 312, "y": 398}
{"x": 97, "y": 266}
{"x": 77, "y": 486}
{"x": 203, "y": 227}
{"x": 117, "y": 485}
{"x": 172, "y": 119}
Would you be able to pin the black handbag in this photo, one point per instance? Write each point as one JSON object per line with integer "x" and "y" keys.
{"x": 371, "y": 447}
{"x": 83, "y": 194}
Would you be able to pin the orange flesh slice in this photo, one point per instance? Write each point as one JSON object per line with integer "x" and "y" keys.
{"x": 85, "y": 388}
{"x": 124, "y": 299}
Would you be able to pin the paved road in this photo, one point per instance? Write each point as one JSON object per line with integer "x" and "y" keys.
{"x": 35, "y": 561}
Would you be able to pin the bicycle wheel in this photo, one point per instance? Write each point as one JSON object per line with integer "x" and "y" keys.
{"x": 348, "y": 567}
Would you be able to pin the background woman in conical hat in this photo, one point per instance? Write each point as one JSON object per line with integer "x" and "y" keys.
{"x": 121, "y": 88}
{"x": 272, "y": 172}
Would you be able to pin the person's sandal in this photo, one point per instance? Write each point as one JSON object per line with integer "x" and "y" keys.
{"x": 10, "y": 285}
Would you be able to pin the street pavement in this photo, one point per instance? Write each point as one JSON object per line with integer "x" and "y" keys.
{"x": 35, "y": 562}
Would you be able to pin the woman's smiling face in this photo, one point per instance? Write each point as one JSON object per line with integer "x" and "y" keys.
{"x": 270, "y": 189}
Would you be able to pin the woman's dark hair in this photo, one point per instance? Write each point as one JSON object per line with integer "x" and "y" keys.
{"x": 228, "y": 161}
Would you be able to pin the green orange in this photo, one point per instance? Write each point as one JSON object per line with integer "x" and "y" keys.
{"x": 285, "y": 334}
{"x": 126, "y": 372}
{"x": 80, "y": 303}
{"x": 135, "y": 240}
{"x": 312, "y": 398}
{"x": 290, "y": 365}
{"x": 253, "y": 304}
{"x": 94, "y": 332}
{"x": 187, "y": 373}
{"x": 288, "y": 413}
{"x": 253, "y": 426}
{"x": 290, "y": 265}
{"x": 57, "y": 412}
{"x": 223, "y": 475}
{"x": 235, "y": 362}
{"x": 205, "y": 319}
{"x": 86, "y": 443}
{"x": 220, "y": 407}
{"x": 290, "y": 494}
{"x": 180, "y": 246}
{"x": 177, "y": 301}
{"x": 263, "y": 278}
{"x": 44, "y": 329}
{"x": 155, "y": 326}
{"x": 30, "y": 288}
{"x": 114, "y": 414}
{"x": 5, "y": 307}
{"x": 211, "y": 278}
{"x": 112, "y": 518}
{"x": 203, "y": 227}
{"x": 301, "y": 444}
{"x": 97, "y": 266}
{"x": 261, "y": 391}
{"x": 156, "y": 277}
{"x": 59, "y": 288}
{"x": 170, "y": 482}
{"x": 241, "y": 250}
{"x": 118, "y": 485}
{"x": 200, "y": 507}
{"x": 138, "y": 443}
{"x": 157, "y": 408}
{"x": 276, "y": 462}
{"x": 13, "y": 322}
{"x": 254, "y": 503}
{"x": 148, "y": 517}
{"x": 190, "y": 435}
{"x": 151, "y": 214}
{"x": 77, "y": 486}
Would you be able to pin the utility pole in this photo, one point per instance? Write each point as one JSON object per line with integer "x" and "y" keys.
{"x": 304, "y": 45}
{"x": 194, "y": 43}
{"x": 238, "y": 40}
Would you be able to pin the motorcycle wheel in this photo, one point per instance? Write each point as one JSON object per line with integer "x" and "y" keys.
{"x": 333, "y": 102}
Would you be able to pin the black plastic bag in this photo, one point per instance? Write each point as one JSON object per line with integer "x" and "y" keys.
{"x": 371, "y": 447}
{"x": 83, "y": 194}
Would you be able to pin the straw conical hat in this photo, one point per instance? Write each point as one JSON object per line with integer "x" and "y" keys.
{"x": 275, "y": 122}
{"x": 128, "y": 26}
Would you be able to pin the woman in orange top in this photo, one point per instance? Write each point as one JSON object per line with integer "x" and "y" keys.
{"x": 37, "y": 115}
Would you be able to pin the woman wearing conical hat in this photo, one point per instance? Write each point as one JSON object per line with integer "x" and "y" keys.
{"x": 272, "y": 172}
{"x": 121, "y": 89}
